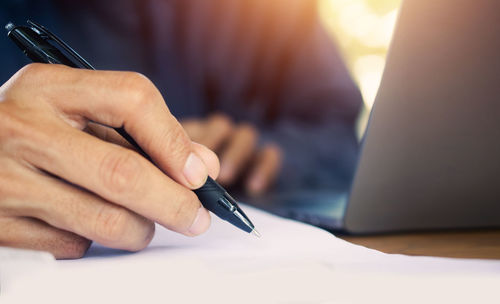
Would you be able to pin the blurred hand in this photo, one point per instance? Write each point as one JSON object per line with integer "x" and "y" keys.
{"x": 61, "y": 187}
{"x": 236, "y": 146}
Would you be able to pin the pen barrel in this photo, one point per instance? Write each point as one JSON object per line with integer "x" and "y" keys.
{"x": 210, "y": 194}
{"x": 36, "y": 48}
{"x": 216, "y": 199}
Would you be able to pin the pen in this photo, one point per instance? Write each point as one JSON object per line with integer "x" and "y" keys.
{"x": 39, "y": 44}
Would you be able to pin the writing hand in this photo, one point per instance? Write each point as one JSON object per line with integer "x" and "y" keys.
{"x": 61, "y": 188}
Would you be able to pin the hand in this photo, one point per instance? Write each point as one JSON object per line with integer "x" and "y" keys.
{"x": 237, "y": 148}
{"x": 61, "y": 187}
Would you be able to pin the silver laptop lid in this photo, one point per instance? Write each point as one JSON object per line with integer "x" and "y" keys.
{"x": 431, "y": 156}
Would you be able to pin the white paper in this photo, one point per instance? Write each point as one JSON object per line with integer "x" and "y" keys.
{"x": 291, "y": 263}
{"x": 15, "y": 264}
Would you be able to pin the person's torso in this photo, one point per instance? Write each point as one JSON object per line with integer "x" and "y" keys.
{"x": 201, "y": 55}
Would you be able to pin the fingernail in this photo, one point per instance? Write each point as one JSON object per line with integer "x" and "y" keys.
{"x": 201, "y": 222}
{"x": 195, "y": 171}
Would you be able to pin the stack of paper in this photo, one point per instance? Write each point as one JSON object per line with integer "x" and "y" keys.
{"x": 291, "y": 263}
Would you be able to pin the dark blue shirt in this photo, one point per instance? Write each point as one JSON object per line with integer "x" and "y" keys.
{"x": 266, "y": 62}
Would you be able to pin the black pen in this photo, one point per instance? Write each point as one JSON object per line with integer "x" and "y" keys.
{"x": 40, "y": 45}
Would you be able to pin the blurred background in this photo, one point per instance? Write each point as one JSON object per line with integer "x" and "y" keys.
{"x": 363, "y": 30}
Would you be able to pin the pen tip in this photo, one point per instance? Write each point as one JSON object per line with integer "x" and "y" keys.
{"x": 256, "y": 233}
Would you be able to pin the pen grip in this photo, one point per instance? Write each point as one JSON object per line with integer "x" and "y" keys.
{"x": 210, "y": 186}
{"x": 214, "y": 198}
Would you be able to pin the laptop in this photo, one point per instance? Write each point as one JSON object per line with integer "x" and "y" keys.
{"x": 430, "y": 157}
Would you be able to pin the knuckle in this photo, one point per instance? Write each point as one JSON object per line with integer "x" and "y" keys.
{"x": 249, "y": 130}
{"x": 247, "y": 135}
{"x": 111, "y": 224}
{"x": 137, "y": 78}
{"x": 32, "y": 70}
{"x": 181, "y": 215}
{"x": 34, "y": 73}
{"x": 141, "y": 90}
{"x": 120, "y": 171}
{"x": 29, "y": 77}
{"x": 117, "y": 227}
{"x": 222, "y": 121}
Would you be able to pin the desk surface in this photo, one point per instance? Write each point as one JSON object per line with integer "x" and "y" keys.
{"x": 458, "y": 244}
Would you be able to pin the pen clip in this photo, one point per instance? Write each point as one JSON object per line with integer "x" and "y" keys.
{"x": 46, "y": 34}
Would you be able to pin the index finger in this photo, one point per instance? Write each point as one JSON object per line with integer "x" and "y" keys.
{"x": 123, "y": 99}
